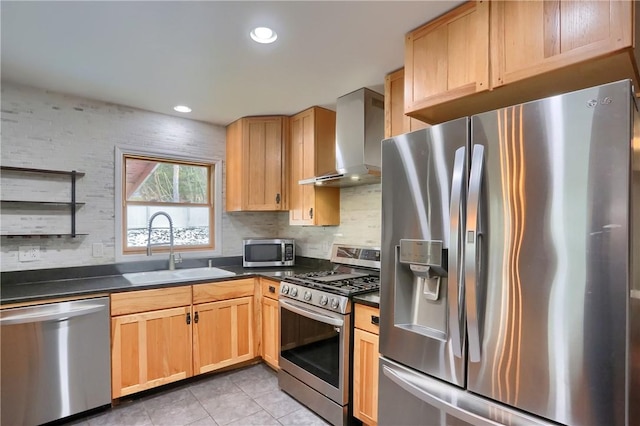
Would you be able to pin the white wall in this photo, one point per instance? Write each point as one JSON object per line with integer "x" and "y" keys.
{"x": 360, "y": 209}
{"x": 42, "y": 129}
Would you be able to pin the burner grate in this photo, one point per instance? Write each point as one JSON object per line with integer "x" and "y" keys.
{"x": 340, "y": 283}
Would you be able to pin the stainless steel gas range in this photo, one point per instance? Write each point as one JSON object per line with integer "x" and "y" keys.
{"x": 315, "y": 330}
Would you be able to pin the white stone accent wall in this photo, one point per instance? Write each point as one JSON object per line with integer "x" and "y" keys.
{"x": 43, "y": 129}
{"x": 360, "y": 223}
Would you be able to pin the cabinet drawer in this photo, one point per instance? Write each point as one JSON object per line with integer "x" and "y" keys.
{"x": 267, "y": 285}
{"x": 365, "y": 317}
{"x": 213, "y": 292}
{"x": 150, "y": 300}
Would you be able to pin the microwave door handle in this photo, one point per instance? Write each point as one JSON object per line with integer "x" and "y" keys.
{"x": 456, "y": 220}
{"x": 472, "y": 252}
{"x": 311, "y": 314}
{"x": 283, "y": 251}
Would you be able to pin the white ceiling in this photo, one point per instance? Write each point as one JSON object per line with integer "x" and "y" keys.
{"x": 154, "y": 55}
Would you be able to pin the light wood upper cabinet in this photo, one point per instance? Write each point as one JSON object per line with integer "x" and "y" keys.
{"x": 529, "y": 38}
{"x": 223, "y": 334}
{"x": 256, "y": 169}
{"x": 486, "y": 55}
{"x": 313, "y": 154}
{"x": 365, "y": 364}
{"x": 447, "y": 58}
{"x": 150, "y": 343}
{"x": 395, "y": 121}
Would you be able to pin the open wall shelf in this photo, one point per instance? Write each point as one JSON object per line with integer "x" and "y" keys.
{"x": 71, "y": 204}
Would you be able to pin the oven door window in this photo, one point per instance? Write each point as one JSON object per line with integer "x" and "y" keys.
{"x": 312, "y": 345}
{"x": 263, "y": 252}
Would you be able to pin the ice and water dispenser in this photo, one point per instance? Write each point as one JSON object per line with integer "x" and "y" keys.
{"x": 421, "y": 287}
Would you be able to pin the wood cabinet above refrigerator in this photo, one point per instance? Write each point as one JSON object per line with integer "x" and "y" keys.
{"x": 256, "y": 161}
{"x": 395, "y": 121}
{"x": 485, "y": 55}
{"x": 447, "y": 59}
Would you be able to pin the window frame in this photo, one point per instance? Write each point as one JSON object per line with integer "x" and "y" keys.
{"x": 125, "y": 254}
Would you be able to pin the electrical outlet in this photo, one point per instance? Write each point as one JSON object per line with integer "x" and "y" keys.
{"x": 326, "y": 247}
{"x": 97, "y": 249}
{"x": 28, "y": 253}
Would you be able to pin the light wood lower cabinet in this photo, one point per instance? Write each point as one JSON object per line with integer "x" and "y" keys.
{"x": 365, "y": 364}
{"x": 164, "y": 335}
{"x": 270, "y": 332}
{"x": 223, "y": 334}
{"x": 150, "y": 349}
{"x": 270, "y": 319}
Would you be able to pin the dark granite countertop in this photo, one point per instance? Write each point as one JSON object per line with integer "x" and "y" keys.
{"x": 32, "y": 286}
{"x": 370, "y": 299}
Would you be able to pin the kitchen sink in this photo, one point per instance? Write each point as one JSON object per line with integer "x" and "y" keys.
{"x": 178, "y": 275}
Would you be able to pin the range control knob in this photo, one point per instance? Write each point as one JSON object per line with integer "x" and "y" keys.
{"x": 293, "y": 292}
{"x": 284, "y": 289}
{"x": 334, "y": 303}
{"x": 324, "y": 300}
{"x": 307, "y": 295}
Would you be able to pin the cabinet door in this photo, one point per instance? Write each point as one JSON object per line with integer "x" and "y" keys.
{"x": 365, "y": 376}
{"x": 150, "y": 349}
{"x": 256, "y": 164}
{"x": 533, "y": 37}
{"x": 263, "y": 151}
{"x": 270, "y": 331}
{"x": 448, "y": 58}
{"x": 396, "y": 122}
{"x": 302, "y": 167}
{"x": 313, "y": 154}
{"x": 223, "y": 334}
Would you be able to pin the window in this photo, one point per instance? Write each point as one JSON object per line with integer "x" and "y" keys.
{"x": 184, "y": 189}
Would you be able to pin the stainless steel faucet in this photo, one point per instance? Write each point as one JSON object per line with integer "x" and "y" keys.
{"x": 172, "y": 258}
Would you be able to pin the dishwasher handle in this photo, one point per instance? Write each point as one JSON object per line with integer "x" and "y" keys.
{"x": 48, "y": 316}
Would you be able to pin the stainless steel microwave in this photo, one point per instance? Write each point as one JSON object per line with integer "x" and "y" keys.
{"x": 268, "y": 252}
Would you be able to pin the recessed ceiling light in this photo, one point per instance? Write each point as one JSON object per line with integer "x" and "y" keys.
{"x": 182, "y": 108}
{"x": 355, "y": 177}
{"x": 263, "y": 35}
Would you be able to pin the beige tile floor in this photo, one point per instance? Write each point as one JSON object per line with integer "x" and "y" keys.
{"x": 249, "y": 396}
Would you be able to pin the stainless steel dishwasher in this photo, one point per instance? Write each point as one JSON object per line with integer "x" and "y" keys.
{"x": 55, "y": 360}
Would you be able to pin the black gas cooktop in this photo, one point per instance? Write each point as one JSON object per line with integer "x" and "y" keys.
{"x": 347, "y": 283}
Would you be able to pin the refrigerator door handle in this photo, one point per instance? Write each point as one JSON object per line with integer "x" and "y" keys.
{"x": 472, "y": 252}
{"x": 456, "y": 220}
{"x": 412, "y": 385}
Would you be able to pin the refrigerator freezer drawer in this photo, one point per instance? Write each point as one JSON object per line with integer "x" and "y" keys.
{"x": 407, "y": 397}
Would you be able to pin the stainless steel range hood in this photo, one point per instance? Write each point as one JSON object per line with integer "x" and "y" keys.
{"x": 359, "y": 132}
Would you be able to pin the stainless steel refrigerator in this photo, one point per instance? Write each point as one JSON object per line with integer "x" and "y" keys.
{"x": 510, "y": 248}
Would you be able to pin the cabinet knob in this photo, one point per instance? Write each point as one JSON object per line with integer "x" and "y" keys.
{"x": 311, "y": 213}
{"x": 188, "y": 318}
{"x": 375, "y": 320}
{"x": 272, "y": 289}
{"x": 195, "y": 317}
{"x": 277, "y": 198}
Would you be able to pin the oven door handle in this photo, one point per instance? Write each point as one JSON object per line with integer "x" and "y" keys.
{"x": 311, "y": 314}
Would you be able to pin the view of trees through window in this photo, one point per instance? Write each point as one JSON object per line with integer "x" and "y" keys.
{"x": 173, "y": 183}
{"x": 182, "y": 190}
